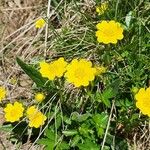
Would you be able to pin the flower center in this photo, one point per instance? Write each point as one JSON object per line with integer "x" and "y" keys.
{"x": 109, "y": 32}
{"x": 35, "y": 116}
{"x": 13, "y": 112}
{"x": 79, "y": 73}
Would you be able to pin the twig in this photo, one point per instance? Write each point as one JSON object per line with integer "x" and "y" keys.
{"x": 46, "y": 29}
{"x": 108, "y": 124}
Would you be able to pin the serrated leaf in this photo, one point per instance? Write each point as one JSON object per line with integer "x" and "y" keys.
{"x": 62, "y": 146}
{"x": 106, "y": 95}
{"x": 50, "y": 134}
{"x": 100, "y": 131}
{"x": 75, "y": 140}
{"x": 47, "y": 142}
{"x": 86, "y": 130}
{"x": 58, "y": 121}
{"x": 80, "y": 117}
{"x": 74, "y": 116}
{"x": 84, "y": 117}
{"x": 101, "y": 120}
{"x": 6, "y": 128}
{"x": 88, "y": 145}
{"x": 70, "y": 132}
{"x": 43, "y": 141}
{"x": 49, "y": 147}
{"x": 32, "y": 73}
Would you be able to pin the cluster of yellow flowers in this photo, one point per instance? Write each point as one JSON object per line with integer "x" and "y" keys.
{"x": 143, "y": 100}
{"x": 78, "y": 72}
{"x": 108, "y": 31}
{"x": 53, "y": 69}
{"x": 36, "y": 117}
{"x": 14, "y": 112}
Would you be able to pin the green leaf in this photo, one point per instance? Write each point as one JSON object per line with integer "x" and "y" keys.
{"x": 100, "y": 131}
{"x": 106, "y": 95}
{"x": 124, "y": 103}
{"x": 74, "y": 116}
{"x": 67, "y": 120}
{"x": 50, "y": 134}
{"x": 134, "y": 117}
{"x": 70, "y": 132}
{"x": 80, "y": 117}
{"x": 86, "y": 130}
{"x": 32, "y": 73}
{"x": 58, "y": 121}
{"x": 49, "y": 144}
{"x": 75, "y": 140}
{"x": 49, "y": 141}
{"x": 6, "y": 128}
{"x": 101, "y": 120}
{"x": 106, "y": 148}
{"x": 43, "y": 141}
{"x": 62, "y": 146}
{"x": 88, "y": 145}
{"x": 49, "y": 147}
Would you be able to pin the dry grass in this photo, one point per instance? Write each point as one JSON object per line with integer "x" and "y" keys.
{"x": 17, "y": 34}
{"x": 17, "y": 37}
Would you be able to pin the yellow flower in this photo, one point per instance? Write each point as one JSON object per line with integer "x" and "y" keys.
{"x": 13, "y": 112}
{"x": 80, "y": 72}
{"x": 109, "y": 32}
{"x": 2, "y": 93}
{"x": 101, "y": 9}
{"x": 100, "y": 70}
{"x": 53, "y": 69}
{"x": 36, "y": 118}
{"x": 143, "y": 100}
{"x": 40, "y": 23}
{"x": 39, "y": 97}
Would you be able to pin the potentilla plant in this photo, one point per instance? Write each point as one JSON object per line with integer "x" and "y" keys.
{"x": 53, "y": 77}
{"x": 79, "y": 103}
{"x": 81, "y": 124}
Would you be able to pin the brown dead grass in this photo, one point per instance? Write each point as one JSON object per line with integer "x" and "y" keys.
{"x": 17, "y": 33}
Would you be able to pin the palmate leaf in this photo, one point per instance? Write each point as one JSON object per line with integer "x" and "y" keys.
{"x": 70, "y": 132}
{"x": 75, "y": 140}
{"x": 32, "y": 73}
{"x": 49, "y": 145}
{"x": 101, "y": 119}
{"x": 6, "y": 128}
{"x": 50, "y": 141}
{"x": 88, "y": 145}
{"x": 62, "y": 146}
{"x": 80, "y": 117}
